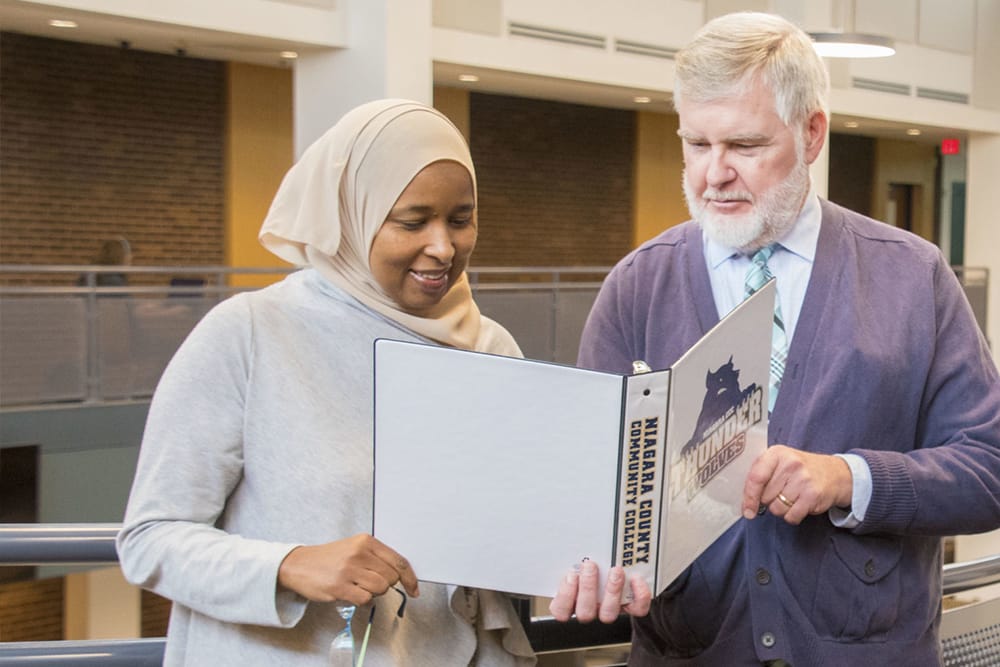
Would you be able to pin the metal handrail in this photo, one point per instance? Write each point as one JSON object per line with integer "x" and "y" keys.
{"x": 558, "y": 276}
{"x": 58, "y": 543}
{"x": 94, "y": 543}
{"x": 959, "y": 577}
{"x": 78, "y": 269}
{"x": 52, "y": 544}
{"x": 82, "y": 653}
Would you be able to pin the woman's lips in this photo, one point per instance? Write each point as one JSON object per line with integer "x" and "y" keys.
{"x": 431, "y": 279}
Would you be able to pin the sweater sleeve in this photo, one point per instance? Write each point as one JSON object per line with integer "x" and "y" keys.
{"x": 950, "y": 482}
{"x": 190, "y": 461}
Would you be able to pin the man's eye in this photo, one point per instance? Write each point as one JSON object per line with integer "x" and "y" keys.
{"x": 460, "y": 222}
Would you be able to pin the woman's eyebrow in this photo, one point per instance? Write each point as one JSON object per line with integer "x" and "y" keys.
{"x": 425, "y": 210}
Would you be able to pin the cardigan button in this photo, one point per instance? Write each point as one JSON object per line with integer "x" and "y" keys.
{"x": 763, "y": 576}
{"x": 767, "y": 639}
{"x": 870, "y": 568}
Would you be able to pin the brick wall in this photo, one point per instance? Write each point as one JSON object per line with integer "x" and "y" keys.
{"x": 31, "y": 610}
{"x": 97, "y": 142}
{"x": 154, "y": 614}
{"x": 555, "y": 182}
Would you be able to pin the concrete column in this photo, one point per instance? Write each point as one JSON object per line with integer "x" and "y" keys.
{"x": 982, "y": 248}
{"x": 982, "y": 226}
{"x": 388, "y": 55}
{"x": 100, "y": 604}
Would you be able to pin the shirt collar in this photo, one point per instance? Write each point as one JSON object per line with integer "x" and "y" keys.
{"x": 801, "y": 239}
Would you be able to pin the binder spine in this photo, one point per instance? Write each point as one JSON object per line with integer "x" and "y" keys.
{"x": 641, "y": 469}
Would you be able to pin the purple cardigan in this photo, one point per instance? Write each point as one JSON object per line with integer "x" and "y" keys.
{"x": 888, "y": 363}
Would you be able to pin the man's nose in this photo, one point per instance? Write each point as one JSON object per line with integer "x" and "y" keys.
{"x": 719, "y": 170}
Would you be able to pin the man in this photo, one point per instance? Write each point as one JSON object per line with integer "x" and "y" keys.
{"x": 887, "y": 406}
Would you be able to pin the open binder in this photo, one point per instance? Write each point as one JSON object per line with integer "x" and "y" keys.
{"x": 502, "y": 473}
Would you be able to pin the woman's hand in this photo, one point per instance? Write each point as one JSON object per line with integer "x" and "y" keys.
{"x": 578, "y": 594}
{"x": 354, "y": 569}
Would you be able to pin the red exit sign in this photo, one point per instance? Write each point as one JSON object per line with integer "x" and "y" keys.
{"x": 950, "y": 146}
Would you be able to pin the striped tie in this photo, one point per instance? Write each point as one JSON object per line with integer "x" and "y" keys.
{"x": 757, "y": 275}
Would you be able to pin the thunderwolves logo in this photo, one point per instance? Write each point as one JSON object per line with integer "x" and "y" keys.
{"x": 720, "y": 435}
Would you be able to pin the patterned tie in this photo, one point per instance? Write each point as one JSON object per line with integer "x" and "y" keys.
{"x": 757, "y": 275}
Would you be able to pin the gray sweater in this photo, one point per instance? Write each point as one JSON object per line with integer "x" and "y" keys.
{"x": 258, "y": 440}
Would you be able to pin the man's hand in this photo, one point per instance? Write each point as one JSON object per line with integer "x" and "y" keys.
{"x": 794, "y": 484}
{"x": 578, "y": 594}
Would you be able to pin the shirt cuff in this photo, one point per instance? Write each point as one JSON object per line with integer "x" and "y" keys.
{"x": 861, "y": 493}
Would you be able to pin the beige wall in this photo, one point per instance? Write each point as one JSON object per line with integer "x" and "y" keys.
{"x": 659, "y": 202}
{"x": 454, "y": 103}
{"x": 258, "y": 152}
{"x": 908, "y": 163}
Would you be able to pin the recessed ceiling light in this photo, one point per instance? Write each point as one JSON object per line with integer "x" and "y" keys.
{"x": 468, "y": 78}
{"x": 851, "y": 123}
{"x": 913, "y": 132}
{"x": 62, "y": 23}
{"x": 851, "y": 45}
{"x": 289, "y": 55}
{"x": 642, "y": 99}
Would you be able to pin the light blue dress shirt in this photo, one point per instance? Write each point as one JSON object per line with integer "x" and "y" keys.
{"x": 791, "y": 265}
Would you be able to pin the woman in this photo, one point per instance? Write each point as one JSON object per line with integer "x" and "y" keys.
{"x": 113, "y": 252}
{"x": 251, "y": 505}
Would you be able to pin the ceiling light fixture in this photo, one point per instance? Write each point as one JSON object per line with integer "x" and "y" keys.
{"x": 468, "y": 78}
{"x": 289, "y": 55}
{"x": 913, "y": 132}
{"x": 62, "y": 23}
{"x": 851, "y": 45}
{"x": 851, "y": 123}
{"x": 642, "y": 99}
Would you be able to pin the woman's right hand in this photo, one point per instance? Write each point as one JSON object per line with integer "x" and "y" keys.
{"x": 354, "y": 569}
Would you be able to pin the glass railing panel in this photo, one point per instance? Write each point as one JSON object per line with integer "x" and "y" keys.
{"x": 43, "y": 349}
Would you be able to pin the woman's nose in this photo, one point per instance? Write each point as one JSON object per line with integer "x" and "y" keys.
{"x": 438, "y": 243}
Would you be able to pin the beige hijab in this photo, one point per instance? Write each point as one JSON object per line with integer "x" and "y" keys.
{"x": 333, "y": 201}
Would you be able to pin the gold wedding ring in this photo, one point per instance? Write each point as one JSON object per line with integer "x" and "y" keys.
{"x": 785, "y": 501}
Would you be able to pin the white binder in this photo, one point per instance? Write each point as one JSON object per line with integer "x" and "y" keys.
{"x": 502, "y": 473}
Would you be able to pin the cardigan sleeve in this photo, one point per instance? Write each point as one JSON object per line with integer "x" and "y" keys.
{"x": 950, "y": 482}
{"x": 190, "y": 461}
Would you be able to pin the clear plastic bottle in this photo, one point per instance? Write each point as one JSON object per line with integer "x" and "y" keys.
{"x": 342, "y": 646}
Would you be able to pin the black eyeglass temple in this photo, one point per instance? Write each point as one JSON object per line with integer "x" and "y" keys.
{"x": 402, "y": 605}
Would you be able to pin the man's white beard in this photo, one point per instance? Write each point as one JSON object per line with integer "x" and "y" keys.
{"x": 771, "y": 215}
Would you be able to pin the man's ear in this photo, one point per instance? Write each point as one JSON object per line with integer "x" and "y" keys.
{"x": 815, "y": 135}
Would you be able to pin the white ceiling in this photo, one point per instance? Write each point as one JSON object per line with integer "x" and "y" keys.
{"x": 30, "y": 18}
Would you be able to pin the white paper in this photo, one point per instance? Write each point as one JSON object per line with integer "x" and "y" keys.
{"x": 494, "y": 472}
